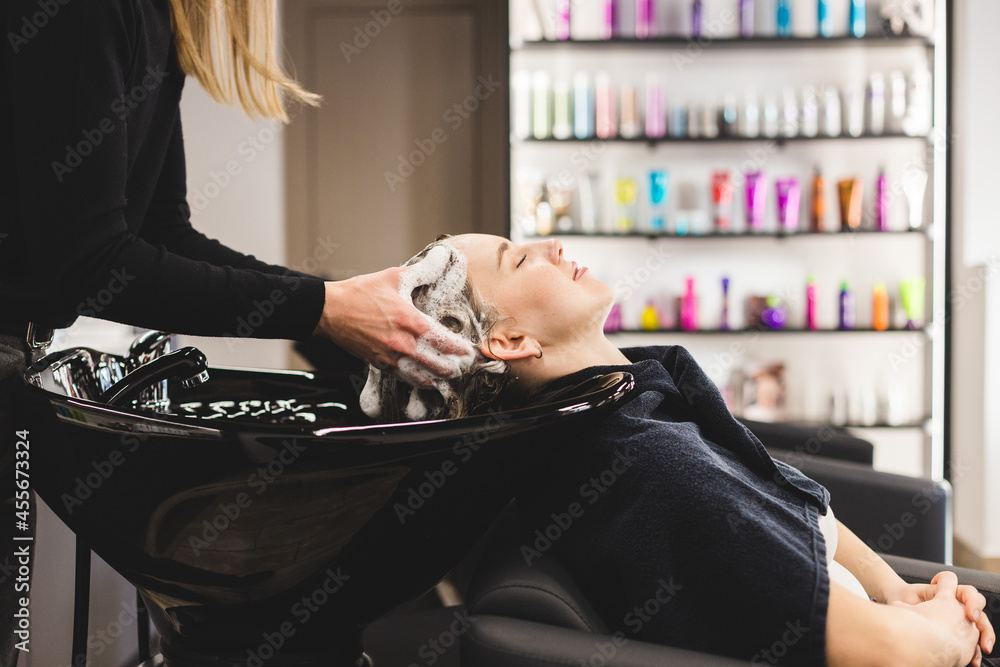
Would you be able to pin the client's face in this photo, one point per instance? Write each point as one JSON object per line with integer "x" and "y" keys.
{"x": 550, "y": 299}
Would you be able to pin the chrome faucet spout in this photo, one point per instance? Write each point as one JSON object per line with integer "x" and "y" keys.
{"x": 188, "y": 365}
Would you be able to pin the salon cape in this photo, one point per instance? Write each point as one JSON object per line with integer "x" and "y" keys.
{"x": 680, "y": 527}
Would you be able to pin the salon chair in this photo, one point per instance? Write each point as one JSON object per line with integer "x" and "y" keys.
{"x": 539, "y": 616}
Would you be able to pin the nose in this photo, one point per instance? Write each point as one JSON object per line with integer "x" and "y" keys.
{"x": 553, "y": 250}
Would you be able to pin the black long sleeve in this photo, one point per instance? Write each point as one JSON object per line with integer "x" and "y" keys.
{"x": 92, "y": 185}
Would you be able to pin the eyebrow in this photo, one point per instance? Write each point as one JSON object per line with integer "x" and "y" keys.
{"x": 500, "y": 251}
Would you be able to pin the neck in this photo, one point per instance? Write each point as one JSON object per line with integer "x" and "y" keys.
{"x": 559, "y": 360}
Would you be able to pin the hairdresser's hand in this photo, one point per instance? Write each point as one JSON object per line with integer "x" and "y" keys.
{"x": 366, "y": 316}
{"x": 969, "y": 596}
{"x": 958, "y": 637}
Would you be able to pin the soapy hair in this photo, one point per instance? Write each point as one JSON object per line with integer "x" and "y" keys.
{"x": 480, "y": 386}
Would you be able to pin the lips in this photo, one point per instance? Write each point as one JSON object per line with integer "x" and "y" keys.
{"x": 578, "y": 271}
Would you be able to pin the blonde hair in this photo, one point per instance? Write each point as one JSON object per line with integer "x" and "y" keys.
{"x": 229, "y": 47}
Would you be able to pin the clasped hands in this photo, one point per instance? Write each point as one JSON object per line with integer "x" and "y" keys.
{"x": 954, "y": 609}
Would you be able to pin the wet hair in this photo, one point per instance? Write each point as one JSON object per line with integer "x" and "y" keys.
{"x": 483, "y": 384}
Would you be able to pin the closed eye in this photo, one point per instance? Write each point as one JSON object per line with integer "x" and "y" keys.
{"x": 521, "y": 262}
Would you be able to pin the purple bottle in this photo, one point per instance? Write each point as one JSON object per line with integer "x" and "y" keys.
{"x": 696, "y": 18}
{"x": 609, "y": 28}
{"x": 881, "y": 202}
{"x": 562, "y": 20}
{"x": 846, "y": 307}
{"x": 645, "y": 19}
{"x": 746, "y": 18}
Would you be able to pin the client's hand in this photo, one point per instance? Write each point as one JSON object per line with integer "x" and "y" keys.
{"x": 973, "y": 600}
{"x": 958, "y": 636}
{"x": 366, "y": 316}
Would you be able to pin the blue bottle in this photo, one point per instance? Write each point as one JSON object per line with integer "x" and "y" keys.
{"x": 857, "y": 18}
{"x": 825, "y": 19}
{"x": 659, "y": 194}
{"x": 784, "y": 18}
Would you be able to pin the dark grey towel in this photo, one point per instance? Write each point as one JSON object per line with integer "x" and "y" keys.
{"x": 681, "y": 527}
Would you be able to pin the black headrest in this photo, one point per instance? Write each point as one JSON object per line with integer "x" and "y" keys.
{"x": 505, "y": 585}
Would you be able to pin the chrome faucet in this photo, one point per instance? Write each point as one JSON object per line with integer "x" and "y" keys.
{"x": 187, "y": 364}
{"x": 146, "y": 348}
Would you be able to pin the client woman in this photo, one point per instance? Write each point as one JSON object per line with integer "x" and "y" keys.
{"x": 745, "y": 549}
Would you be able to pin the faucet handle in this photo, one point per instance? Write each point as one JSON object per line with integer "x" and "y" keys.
{"x": 150, "y": 345}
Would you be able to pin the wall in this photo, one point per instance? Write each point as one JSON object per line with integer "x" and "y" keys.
{"x": 976, "y": 301}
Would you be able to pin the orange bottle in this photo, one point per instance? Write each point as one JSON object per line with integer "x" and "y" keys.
{"x": 880, "y": 308}
{"x": 818, "y": 213}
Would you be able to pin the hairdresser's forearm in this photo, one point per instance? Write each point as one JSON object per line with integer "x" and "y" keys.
{"x": 878, "y": 579}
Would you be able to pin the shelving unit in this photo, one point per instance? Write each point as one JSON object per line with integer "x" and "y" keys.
{"x": 773, "y": 263}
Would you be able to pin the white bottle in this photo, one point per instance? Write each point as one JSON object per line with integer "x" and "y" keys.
{"x": 876, "y": 103}
{"x": 521, "y": 105}
{"x": 917, "y": 121}
{"x": 751, "y": 114}
{"x": 810, "y": 111}
{"x": 789, "y": 113}
{"x": 831, "y": 111}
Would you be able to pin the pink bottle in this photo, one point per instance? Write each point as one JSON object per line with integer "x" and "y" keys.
{"x": 689, "y": 308}
{"x": 812, "y": 323}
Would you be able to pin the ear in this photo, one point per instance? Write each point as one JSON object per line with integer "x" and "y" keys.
{"x": 509, "y": 346}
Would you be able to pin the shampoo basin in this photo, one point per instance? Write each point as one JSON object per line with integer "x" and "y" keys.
{"x": 260, "y": 513}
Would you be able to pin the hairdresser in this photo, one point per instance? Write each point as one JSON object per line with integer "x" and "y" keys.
{"x": 92, "y": 185}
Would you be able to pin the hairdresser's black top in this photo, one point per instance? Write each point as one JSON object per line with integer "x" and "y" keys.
{"x": 92, "y": 183}
{"x": 685, "y": 531}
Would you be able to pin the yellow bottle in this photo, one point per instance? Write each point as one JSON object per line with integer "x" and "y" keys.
{"x": 650, "y": 319}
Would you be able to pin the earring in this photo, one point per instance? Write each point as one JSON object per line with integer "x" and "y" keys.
{"x": 539, "y": 352}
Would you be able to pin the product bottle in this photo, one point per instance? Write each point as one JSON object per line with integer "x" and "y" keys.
{"x": 614, "y": 321}
{"x": 650, "y": 320}
{"x": 563, "y": 19}
{"x": 746, "y": 18}
{"x": 846, "y": 307}
{"x": 880, "y": 307}
{"x": 812, "y": 319}
{"x": 689, "y": 308}
{"x": 696, "y": 18}
{"x": 645, "y": 19}
{"x": 724, "y": 323}
{"x": 818, "y": 212}
{"x": 626, "y": 195}
{"x": 784, "y": 18}
{"x": 881, "y": 202}
{"x": 856, "y": 21}
{"x": 825, "y": 19}
{"x": 659, "y": 189}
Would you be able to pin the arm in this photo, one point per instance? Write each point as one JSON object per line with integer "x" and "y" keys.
{"x": 168, "y": 221}
{"x": 862, "y": 634}
{"x": 73, "y": 214}
{"x": 881, "y": 582}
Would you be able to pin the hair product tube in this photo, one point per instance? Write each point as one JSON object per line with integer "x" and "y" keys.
{"x": 789, "y": 195}
{"x": 914, "y": 186}
{"x": 850, "y": 203}
{"x": 722, "y": 201}
{"x": 659, "y": 195}
{"x": 818, "y": 210}
{"x": 583, "y": 106}
{"x": 755, "y": 184}
{"x": 746, "y": 18}
{"x": 656, "y": 118}
{"x": 604, "y": 107}
{"x": 812, "y": 319}
{"x": 881, "y": 202}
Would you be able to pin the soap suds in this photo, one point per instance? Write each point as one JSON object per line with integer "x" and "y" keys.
{"x": 442, "y": 275}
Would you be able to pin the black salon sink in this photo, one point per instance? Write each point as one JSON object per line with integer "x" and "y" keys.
{"x": 262, "y": 508}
